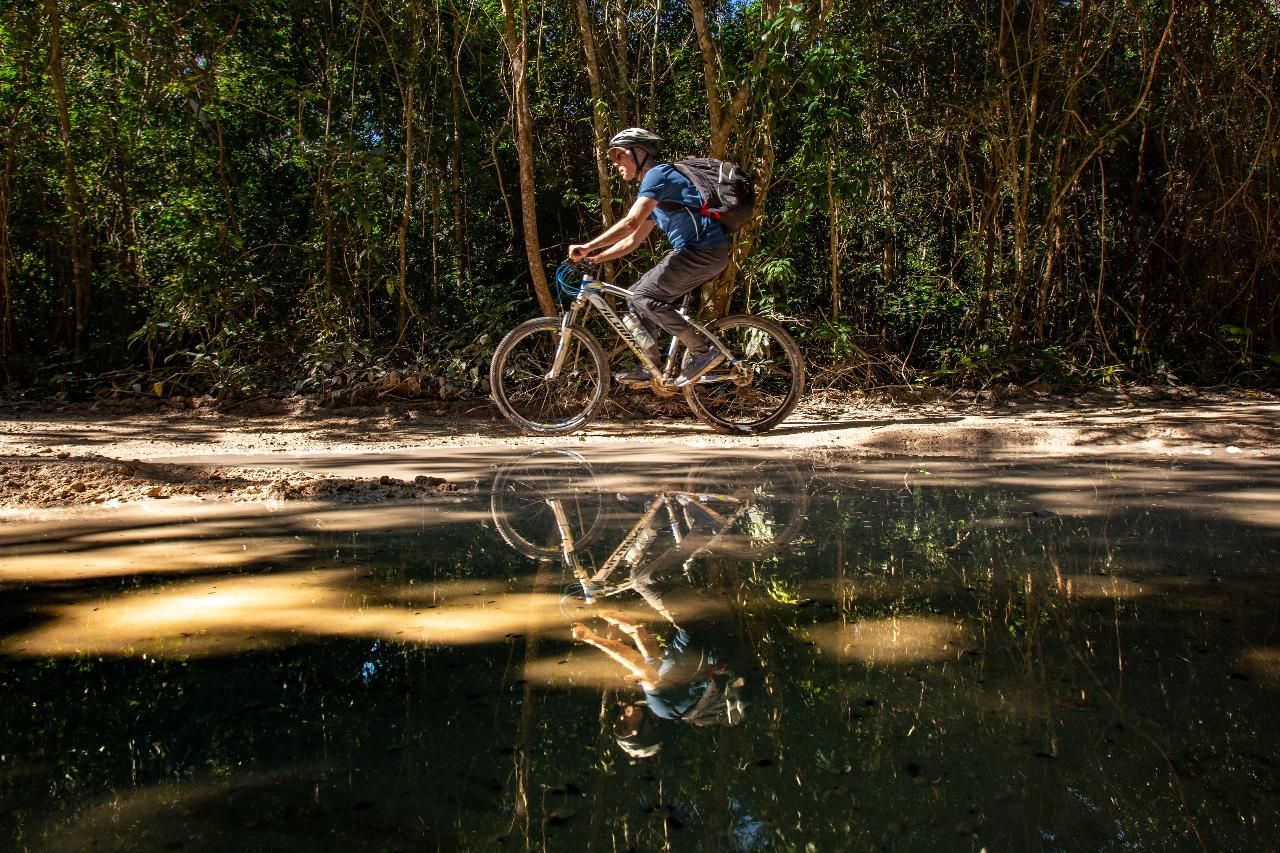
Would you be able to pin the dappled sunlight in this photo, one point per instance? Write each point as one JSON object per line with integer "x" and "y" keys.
{"x": 895, "y": 640}
{"x": 390, "y": 516}
{"x": 238, "y": 613}
{"x": 1264, "y": 663}
{"x": 148, "y": 558}
{"x": 178, "y": 811}
{"x": 583, "y": 669}
{"x": 191, "y": 518}
{"x": 64, "y": 523}
{"x": 1102, "y": 586}
{"x": 1255, "y": 507}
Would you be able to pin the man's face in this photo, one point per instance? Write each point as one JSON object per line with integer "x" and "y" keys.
{"x": 624, "y": 162}
{"x": 630, "y": 718}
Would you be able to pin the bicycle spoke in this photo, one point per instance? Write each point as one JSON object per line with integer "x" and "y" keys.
{"x": 525, "y": 394}
{"x": 761, "y": 389}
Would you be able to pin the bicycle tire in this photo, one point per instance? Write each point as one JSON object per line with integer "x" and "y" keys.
{"x": 518, "y": 506}
{"x": 520, "y": 390}
{"x": 778, "y": 490}
{"x": 777, "y": 377}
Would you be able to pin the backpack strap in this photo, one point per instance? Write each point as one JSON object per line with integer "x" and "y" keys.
{"x": 704, "y": 189}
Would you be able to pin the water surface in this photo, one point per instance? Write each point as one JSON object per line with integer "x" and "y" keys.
{"x": 894, "y": 654}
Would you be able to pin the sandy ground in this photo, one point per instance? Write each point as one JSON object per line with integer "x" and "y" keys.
{"x": 54, "y": 456}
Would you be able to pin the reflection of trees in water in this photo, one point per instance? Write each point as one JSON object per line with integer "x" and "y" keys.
{"x": 934, "y": 662}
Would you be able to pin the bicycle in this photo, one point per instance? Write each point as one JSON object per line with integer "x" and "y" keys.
{"x": 549, "y": 504}
{"x": 550, "y": 375}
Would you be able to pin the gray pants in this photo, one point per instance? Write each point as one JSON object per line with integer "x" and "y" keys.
{"x": 675, "y": 275}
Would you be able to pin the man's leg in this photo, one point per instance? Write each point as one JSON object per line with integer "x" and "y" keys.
{"x": 675, "y": 275}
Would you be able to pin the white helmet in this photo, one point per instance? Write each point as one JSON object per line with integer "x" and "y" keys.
{"x": 636, "y": 137}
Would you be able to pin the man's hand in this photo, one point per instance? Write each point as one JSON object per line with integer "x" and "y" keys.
{"x": 578, "y": 251}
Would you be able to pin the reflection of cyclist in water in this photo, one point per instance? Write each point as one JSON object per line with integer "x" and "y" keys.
{"x": 682, "y": 679}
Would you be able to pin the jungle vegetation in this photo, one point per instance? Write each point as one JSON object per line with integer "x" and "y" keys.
{"x": 228, "y": 195}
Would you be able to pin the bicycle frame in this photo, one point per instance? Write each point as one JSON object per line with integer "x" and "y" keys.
{"x": 631, "y": 550}
{"x": 592, "y": 295}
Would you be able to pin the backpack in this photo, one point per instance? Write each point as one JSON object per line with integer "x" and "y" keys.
{"x": 728, "y": 193}
{"x": 721, "y": 705}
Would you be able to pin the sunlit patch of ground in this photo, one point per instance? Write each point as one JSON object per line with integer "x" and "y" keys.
{"x": 147, "y": 558}
{"x": 583, "y": 668}
{"x": 896, "y": 640}
{"x": 1255, "y": 507}
{"x": 173, "y": 815}
{"x": 234, "y": 614}
{"x": 1264, "y": 662}
{"x": 1102, "y": 586}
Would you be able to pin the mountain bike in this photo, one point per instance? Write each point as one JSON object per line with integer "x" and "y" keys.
{"x": 550, "y": 375}
{"x": 551, "y": 503}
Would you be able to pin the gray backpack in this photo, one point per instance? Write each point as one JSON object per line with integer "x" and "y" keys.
{"x": 728, "y": 193}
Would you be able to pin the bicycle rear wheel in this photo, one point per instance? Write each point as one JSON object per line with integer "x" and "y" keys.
{"x": 758, "y": 393}
{"x": 531, "y": 401}
{"x": 775, "y": 497}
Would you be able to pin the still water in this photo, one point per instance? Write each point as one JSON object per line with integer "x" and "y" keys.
{"x": 729, "y": 654}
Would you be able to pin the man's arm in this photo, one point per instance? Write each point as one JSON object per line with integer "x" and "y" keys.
{"x": 626, "y": 244}
{"x": 624, "y": 228}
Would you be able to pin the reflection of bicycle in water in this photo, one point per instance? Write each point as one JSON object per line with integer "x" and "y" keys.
{"x": 552, "y": 503}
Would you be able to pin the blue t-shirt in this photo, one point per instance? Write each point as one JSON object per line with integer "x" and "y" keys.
{"x": 681, "y": 677}
{"x": 686, "y": 228}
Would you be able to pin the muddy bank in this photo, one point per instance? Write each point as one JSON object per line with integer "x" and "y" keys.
{"x": 66, "y": 480}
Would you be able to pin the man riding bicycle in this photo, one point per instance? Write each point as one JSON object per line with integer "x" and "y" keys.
{"x": 699, "y": 248}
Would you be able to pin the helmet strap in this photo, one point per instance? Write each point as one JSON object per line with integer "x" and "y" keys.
{"x": 640, "y": 165}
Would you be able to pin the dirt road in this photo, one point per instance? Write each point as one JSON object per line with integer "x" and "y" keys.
{"x": 60, "y": 456}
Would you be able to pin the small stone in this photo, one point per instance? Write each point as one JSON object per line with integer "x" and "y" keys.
{"x": 78, "y": 487}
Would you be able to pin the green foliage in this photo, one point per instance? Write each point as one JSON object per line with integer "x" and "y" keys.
{"x": 1027, "y": 190}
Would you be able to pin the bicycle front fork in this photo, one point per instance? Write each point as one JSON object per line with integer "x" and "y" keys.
{"x": 562, "y": 346}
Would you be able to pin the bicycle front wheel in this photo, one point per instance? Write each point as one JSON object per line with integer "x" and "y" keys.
{"x": 538, "y": 405}
{"x": 521, "y": 507}
{"x": 761, "y": 390}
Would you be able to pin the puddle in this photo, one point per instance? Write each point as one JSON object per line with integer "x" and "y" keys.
{"x": 609, "y": 653}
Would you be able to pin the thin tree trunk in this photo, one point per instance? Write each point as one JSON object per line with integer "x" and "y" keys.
{"x": 599, "y": 119}
{"x": 461, "y": 236}
{"x": 833, "y": 214}
{"x": 517, "y": 50}
{"x": 710, "y": 77}
{"x": 406, "y": 208}
{"x": 81, "y": 270}
{"x": 6, "y": 291}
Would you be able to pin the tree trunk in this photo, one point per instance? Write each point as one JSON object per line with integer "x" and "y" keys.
{"x": 710, "y": 58}
{"x": 406, "y": 208}
{"x": 833, "y": 216}
{"x": 717, "y": 295}
{"x": 6, "y": 289}
{"x": 599, "y": 119}
{"x": 81, "y": 260}
{"x": 517, "y": 50}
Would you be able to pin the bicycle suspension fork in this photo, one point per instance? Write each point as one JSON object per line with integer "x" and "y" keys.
{"x": 567, "y": 319}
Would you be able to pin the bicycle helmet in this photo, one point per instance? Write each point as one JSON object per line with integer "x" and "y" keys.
{"x": 637, "y": 137}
